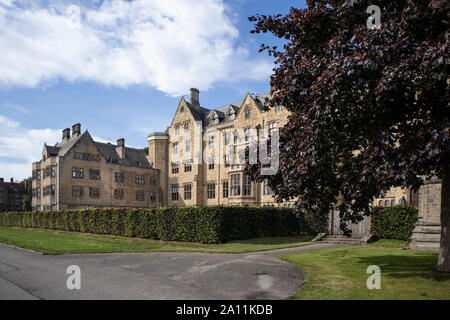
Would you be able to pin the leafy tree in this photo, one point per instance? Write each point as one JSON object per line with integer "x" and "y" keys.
{"x": 369, "y": 107}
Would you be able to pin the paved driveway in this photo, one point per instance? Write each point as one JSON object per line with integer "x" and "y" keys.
{"x": 152, "y": 275}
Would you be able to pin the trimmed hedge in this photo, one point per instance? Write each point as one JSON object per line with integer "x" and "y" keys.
{"x": 212, "y": 224}
{"x": 394, "y": 222}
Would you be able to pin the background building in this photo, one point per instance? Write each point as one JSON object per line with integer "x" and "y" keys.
{"x": 11, "y": 195}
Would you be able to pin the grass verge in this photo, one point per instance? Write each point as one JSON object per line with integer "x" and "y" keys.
{"x": 60, "y": 242}
{"x": 389, "y": 243}
{"x": 340, "y": 273}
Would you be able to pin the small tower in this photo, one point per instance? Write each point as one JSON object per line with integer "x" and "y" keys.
{"x": 158, "y": 156}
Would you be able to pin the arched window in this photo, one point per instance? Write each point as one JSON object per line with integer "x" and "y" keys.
{"x": 403, "y": 200}
{"x": 380, "y": 204}
{"x": 387, "y": 203}
{"x": 248, "y": 113}
{"x": 393, "y": 203}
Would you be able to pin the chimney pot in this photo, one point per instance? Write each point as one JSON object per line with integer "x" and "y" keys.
{"x": 195, "y": 100}
{"x": 76, "y": 129}
{"x": 121, "y": 142}
{"x": 12, "y": 180}
{"x": 1, "y": 180}
{"x": 66, "y": 134}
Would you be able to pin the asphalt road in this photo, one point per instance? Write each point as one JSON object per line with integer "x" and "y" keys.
{"x": 152, "y": 275}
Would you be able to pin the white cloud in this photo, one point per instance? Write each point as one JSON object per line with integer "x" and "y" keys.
{"x": 170, "y": 45}
{"x": 22, "y": 146}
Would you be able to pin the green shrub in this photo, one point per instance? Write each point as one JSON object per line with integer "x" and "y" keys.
{"x": 212, "y": 224}
{"x": 394, "y": 222}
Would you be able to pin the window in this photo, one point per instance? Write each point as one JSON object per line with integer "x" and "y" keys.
{"x": 393, "y": 202}
{"x": 380, "y": 203}
{"x": 227, "y": 138}
{"x": 225, "y": 189}
{"x": 86, "y": 156}
{"x": 153, "y": 181}
{"x": 247, "y": 134}
{"x": 77, "y": 173}
{"x": 232, "y": 114}
{"x": 187, "y": 145}
{"x": 235, "y": 184}
{"x": 38, "y": 176}
{"x": 211, "y": 190}
{"x": 227, "y": 160}
{"x": 38, "y": 208}
{"x": 267, "y": 189}
{"x": 53, "y": 207}
{"x": 211, "y": 164}
{"x": 215, "y": 119}
{"x": 186, "y": 127}
{"x": 402, "y": 201}
{"x": 94, "y": 192}
{"x": 152, "y": 196}
{"x": 140, "y": 196}
{"x": 140, "y": 179}
{"x": 118, "y": 194}
{"x": 77, "y": 191}
{"x": 177, "y": 129}
{"x": 175, "y": 167}
{"x": 211, "y": 142}
{"x": 175, "y": 148}
{"x": 187, "y": 166}
{"x": 278, "y": 108}
{"x": 247, "y": 186}
{"x": 387, "y": 203}
{"x": 119, "y": 177}
{"x": 272, "y": 127}
{"x": 174, "y": 189}
{"x": 187, "y": 191}
{"x": 38, "y": 192}
{"x": 182, "y": 109}
{"x": 53, "y": 171}
{"x": 49, "y": 190}
{"x": 248, "y": 113}
{"x": 94, "y": 174}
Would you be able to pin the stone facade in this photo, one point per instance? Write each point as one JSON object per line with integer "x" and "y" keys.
{"x": 199, "y": 152}
{"x": 80, "y": 173}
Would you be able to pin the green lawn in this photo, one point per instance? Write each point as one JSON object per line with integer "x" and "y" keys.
{"x": 340, "y": 273}
{"x": 59, "y": 242}
{"x": 389, "y": 243}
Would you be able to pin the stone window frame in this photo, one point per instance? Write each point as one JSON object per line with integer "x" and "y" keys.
{"x": 139, "y": 179}
{"x": 77, "y": 191}
{"x": 211, "y": 190}
{"x": 94, "y": 192}
{"x": 267, "y": 190}
{"x": 188, "y": 166}
{"x": 211, "y": 163}
{"x": 186, "y": 126}
{"x": 119, "y": 194}
{"x": 175, "y": 167}
{"x": 119, "y": 177}
{"x": 187, "y": 188}
{"x": 175, "y": 148}
{"x": 248, "y": 112}
{"x": 174, "y": 191}
{"x": 94, "y": 174}
{"x": 246, "y": 185}
{"x": 177, "y": 129}
{"x": 235, "y": 184}
{"x": 77, "y": 173}
{"x": 225, "y": 188}
{"x": 152, "y": 196}
{"x": 140, "y": 195}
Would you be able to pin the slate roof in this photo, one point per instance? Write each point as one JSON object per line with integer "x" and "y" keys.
{"x": 133, "y": 157}
{"x": 205, "y": 115}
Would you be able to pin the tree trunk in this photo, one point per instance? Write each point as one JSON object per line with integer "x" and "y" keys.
{"x": 444, "y": 252}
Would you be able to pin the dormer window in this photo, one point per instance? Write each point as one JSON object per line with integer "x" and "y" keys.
{"x": 215, "y": 118}
{"x": 231, "y": 114}
{"x": 248, "y": 113}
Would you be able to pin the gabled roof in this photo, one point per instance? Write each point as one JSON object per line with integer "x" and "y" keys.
{"x": 132, "y": 157}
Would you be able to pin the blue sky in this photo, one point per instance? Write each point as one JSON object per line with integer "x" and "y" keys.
{"x": 120, "y": 67}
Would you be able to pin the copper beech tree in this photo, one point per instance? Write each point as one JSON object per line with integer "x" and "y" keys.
{"x": 369, "y": 107}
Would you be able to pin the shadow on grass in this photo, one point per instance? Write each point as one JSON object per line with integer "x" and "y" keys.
{"x": 274, "y": 240}
{"x": 421, "y": 264}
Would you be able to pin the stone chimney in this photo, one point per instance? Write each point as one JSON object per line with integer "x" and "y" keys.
{"x": 195, "y": 101}
{"x": 12, "y": 180}
{"x": 120, "y": 148}
{"x": 1, "y": 180}
{"x": 66, "y": 135}
{"x": 76, "y": 129}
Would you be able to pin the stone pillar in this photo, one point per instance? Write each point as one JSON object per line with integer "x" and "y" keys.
{"x": 427, "y": 232}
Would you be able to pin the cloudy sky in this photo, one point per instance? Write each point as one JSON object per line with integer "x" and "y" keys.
{"x": 120, "y": 67}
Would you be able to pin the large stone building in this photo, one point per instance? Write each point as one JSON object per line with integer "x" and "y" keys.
{"x": 199, "y": 156}
{"x": 11, "y": 195}
{"x": 79, "y": 172}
